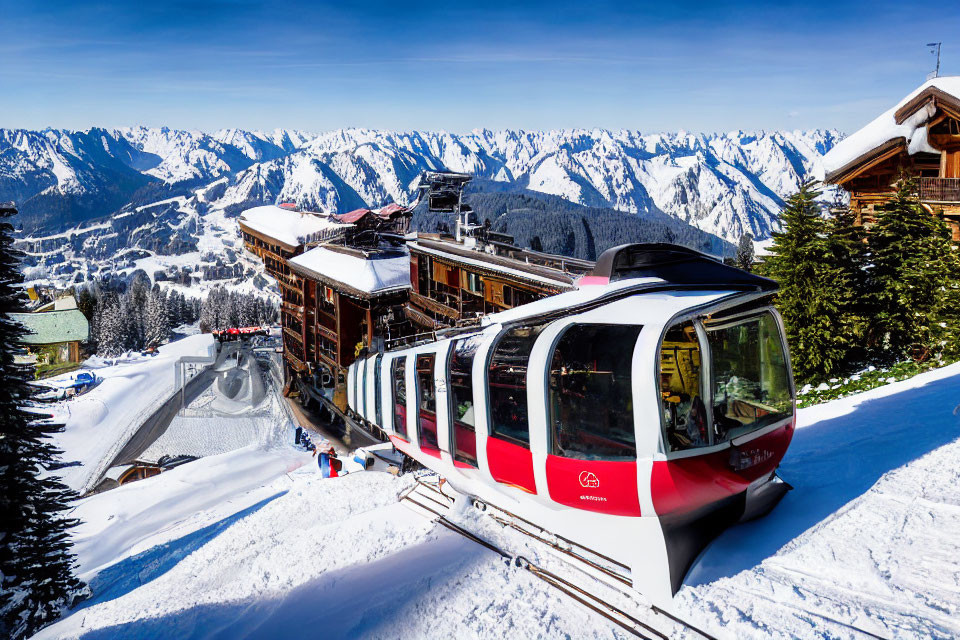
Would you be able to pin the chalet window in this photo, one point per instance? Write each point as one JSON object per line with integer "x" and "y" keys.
{"x": 472, "y": 283}
{"x": 427, "y": 394}
{"x": 591, "y": 398}
{"x": 424, "y": 266}
{"x": 441, "y": 272}
{"x": 399, "y": 380}
{"x": 328, "y": 295}
{"x": 683, "y": 389}
{"x": 507, "y": 384}
{"x": 464, "y": 436}
{"x": 751, "y": 383}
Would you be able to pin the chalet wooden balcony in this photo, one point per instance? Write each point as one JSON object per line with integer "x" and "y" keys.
{"x": 940, "y": 190}
{"x": 327, "y": 332}
{"x": 293, "y": 309}
{"x": 294, "y": 361}
{"x": 295, "y": 336}
{"x": 427, "y": 303}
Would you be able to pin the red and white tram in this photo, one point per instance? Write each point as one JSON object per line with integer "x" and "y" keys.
{"x": 637, "y": 416}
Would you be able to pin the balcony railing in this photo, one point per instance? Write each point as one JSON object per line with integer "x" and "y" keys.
{"x": 940, "y": 189}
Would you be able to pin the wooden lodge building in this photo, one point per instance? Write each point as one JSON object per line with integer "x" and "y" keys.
{"x": 357, "y": 283}
{"x": 920, "y": 136}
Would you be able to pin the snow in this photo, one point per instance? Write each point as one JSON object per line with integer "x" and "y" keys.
{"x": 101, "y": 421}
{"x": 254, "y": 544}
{"x": 291, "y": 227}
{"x": 885, "y": 128}
{"x": 370, "y": 275}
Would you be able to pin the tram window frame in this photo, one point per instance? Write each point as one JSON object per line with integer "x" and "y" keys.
{"x": 703, "y": 386}
{"x": 432, "y": 356}
{"x": 473, "y": 344}
{"x": 728, "y": 432}
{"x": 603, "y": 382}
{"x": 399, "y": 364}
{"x": 362, "y": 389}
{"x": 377, "y": 400}
{"x": 495, "y": 429}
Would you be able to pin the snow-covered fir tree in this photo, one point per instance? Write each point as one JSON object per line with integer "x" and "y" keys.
{"x": 812, "y": 289}
{"x": 156, "y": 319}
{"x": 36, "y": 566}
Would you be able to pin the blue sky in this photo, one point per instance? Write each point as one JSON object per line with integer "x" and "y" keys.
{"x": 658, "y": 66}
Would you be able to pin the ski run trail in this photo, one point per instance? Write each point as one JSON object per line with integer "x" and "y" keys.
{"x": 254, "y": 543}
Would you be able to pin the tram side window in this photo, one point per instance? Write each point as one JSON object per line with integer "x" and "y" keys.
{"x": 681, "y": 389}
{"x": 427, "y": 401}
{"x": 376, "y": 390}
{"x": 751, "y": 383}
{"x": 398, "y": 373}
{"x": 507, "y": 384}
{"x": 591, "y": 399}
{"x": 461, "y": 401}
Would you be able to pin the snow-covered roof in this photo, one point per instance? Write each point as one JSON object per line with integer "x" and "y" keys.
{"x": 291, "y": 228}
{"x": 903, "y": 125}
{"x": 367, "y": 275}
{"x": 53, "y": 327}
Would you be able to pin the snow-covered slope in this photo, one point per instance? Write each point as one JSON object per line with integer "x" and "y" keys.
{"x": 865, "y": 546}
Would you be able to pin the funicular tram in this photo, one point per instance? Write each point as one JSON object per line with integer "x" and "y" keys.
{"x": 637, "y": 416}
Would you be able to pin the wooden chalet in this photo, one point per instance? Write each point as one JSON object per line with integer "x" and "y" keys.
{"x": 357, "y": 283}
{"x": 920, "y": 136}
{"x": 275, "y": 235}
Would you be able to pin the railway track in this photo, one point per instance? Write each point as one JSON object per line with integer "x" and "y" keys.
{"x": 429, "y": 499}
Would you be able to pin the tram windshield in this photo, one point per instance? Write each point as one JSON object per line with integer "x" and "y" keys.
{"x": 749, "y": 385}
{"x": 751, "y": 382}
{"x": 591, "y": 398}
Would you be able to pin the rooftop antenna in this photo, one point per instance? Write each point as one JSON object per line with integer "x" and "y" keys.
{"x": 935, "y": 48}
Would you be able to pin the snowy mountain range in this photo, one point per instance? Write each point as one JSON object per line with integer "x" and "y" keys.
{"x": 124, "y": 195}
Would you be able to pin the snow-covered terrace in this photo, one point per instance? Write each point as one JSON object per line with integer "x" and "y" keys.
{"x": 370, "y": 275}
{"x": 904, "y": 125}
{"x": 291, "y": 228}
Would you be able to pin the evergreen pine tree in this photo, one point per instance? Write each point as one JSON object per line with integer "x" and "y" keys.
{"x": 812, "y": 289}
{"x": 913, "y": 281}
{"x": 745, "y": 252}
{"x": 156, "y": 321}
{"x": 36, "y": 566}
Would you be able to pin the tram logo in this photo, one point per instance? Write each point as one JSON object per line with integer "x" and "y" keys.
{"x": 589, "y": 479}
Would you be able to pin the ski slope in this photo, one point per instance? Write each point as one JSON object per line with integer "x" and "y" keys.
{"x": 254, "y": 544}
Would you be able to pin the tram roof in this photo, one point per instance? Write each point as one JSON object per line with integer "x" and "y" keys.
{"x": 658, "y": 300}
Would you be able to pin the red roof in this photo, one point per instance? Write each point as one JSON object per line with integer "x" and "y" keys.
{"x": 353, "y": 216}
{"x": 385, "y": 213}
{"x": 391, "y": 209}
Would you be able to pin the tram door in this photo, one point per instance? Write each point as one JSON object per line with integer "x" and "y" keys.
{"x": 592, "y": 454}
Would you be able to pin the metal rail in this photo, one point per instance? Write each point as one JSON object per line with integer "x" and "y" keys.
{"x": 611, "y": 612}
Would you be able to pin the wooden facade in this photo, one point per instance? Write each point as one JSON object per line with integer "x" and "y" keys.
{"x": 330, "y": 316}
{"x": 872, "y": 176}
{"x": 453, "y": 285}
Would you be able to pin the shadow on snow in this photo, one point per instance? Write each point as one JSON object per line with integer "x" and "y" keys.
{"x": 128, "y": 574}
{"x": 356, "y": 601}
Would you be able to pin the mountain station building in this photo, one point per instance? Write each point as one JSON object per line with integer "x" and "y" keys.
{"x": 359, "y": 283}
